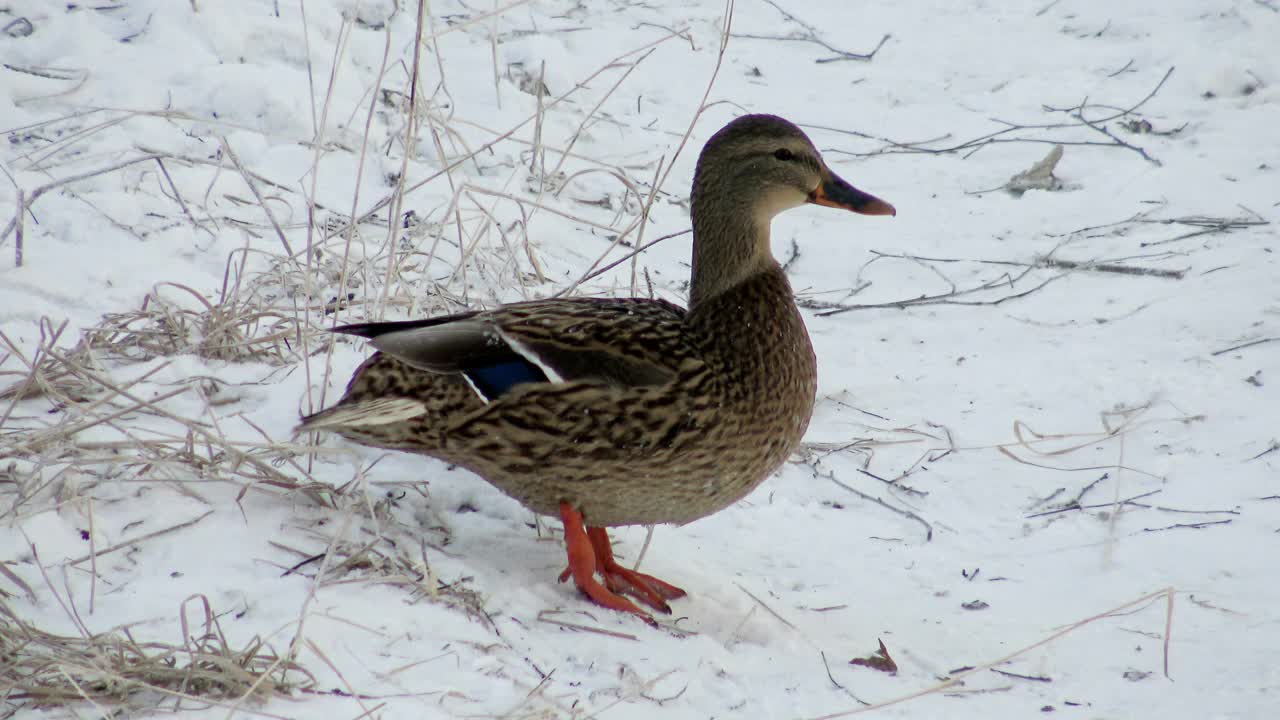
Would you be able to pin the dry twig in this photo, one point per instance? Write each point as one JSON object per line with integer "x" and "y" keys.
{"x": 1017, "y": 132}
{"x": 810, "y": 35}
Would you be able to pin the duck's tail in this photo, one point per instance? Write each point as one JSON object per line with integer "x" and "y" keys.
{"x": 363, "y": 414}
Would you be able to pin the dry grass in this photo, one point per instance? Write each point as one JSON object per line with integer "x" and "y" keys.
{"x": 161, "y": 327}
{"x": 374, "y": 547}
{"x": 40, "y": 374}
{"x": 150, "y": 441}
{"x": 115, "y": 670}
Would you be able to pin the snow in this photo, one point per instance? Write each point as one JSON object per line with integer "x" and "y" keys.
{"x": 989, "y": 408}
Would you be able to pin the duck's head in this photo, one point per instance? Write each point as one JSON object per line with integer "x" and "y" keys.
{"x": 752, "y": 169}
{"x": 763, "y": 164}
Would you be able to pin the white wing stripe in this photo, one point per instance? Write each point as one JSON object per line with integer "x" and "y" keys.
{"x": 523, "y": 351}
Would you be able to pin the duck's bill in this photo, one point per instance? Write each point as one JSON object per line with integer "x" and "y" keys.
{"x": 835, "y": 192}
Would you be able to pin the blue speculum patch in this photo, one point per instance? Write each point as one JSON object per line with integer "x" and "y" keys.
{"x": 494, "y": 380}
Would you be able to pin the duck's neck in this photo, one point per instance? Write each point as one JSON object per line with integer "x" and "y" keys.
{"x": 728, "y": 248}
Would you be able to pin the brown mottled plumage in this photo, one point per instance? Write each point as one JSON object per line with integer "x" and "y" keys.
{"x": 629, "y": 411}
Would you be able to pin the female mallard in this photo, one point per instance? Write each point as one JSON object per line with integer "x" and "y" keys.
{"x": 622, "y": 411}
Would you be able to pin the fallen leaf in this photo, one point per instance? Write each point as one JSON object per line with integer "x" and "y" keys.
{"x": 878, "y": 660}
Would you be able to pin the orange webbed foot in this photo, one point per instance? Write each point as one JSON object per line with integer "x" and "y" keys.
{"x": 645, "y": 588}
{"x": 590, "y": 552}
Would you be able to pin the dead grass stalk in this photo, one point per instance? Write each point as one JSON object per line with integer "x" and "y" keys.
{"x": 40, "y": 669}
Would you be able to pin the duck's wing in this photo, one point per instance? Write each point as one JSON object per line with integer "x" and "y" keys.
{"x": 619, "y": 342}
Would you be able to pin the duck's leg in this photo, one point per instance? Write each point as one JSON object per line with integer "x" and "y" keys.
{"x": 645, "y": 588}
{"x": 583, "y": 563}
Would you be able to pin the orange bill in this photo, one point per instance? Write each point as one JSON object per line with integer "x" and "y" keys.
{"x": 835, "y": 192}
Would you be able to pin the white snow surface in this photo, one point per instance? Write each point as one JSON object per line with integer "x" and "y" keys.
{"x": 991, "y": 416}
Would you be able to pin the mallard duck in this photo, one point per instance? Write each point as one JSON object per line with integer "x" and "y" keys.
{"x": 622, "y": 411}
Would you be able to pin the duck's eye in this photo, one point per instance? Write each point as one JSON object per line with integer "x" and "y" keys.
{"x": 784, "y": 154}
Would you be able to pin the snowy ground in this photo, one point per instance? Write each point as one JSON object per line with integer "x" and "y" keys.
{"x": 1006, "y": 356}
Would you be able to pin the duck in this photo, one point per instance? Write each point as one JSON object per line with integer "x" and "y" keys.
{"x": 609, "y": 412}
